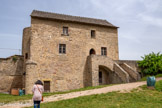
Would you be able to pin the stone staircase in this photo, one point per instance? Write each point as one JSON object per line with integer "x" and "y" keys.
{"x": 133, "y": 75}
{"x": 122, "y": 74}
{"x": 119, "y": 72}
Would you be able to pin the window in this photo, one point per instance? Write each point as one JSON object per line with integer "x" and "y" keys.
{"x": 65, "y": 31}
{"x": 103, "y": 51}
{"x": 93, "y": 34}
{"x": 62, "y": 48}
{"x": 26, "y": 55}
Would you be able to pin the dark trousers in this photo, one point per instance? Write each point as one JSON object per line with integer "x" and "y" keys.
{"x": 36, "y": 104}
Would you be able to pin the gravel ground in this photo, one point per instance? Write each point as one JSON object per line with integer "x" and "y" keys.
{"x": 120, "y": 87}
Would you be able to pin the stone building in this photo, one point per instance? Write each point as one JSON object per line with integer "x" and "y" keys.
{"x": 69, "y": 52}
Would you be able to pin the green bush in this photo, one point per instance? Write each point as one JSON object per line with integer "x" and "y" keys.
{"x": 151, "y": 64}
{"x": 145, "y": 77}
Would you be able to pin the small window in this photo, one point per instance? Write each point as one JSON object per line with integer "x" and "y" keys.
{"x": 62, "y": 48}
{"x": 65, "y": 31}
{"x": 104, "y": 51}
{"x": 26, "y": 55}
{"x": 93, "y": 34}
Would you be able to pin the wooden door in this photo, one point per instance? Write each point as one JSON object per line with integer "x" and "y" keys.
{"x": 46, "y": 86}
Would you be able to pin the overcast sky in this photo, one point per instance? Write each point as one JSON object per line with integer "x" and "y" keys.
{"x": 140, "y": 22}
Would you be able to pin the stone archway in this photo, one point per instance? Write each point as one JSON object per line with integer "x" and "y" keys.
{"x": 98, "y": 63}
{"x": 92, "y": 51}
{"x": 105, "y": 75}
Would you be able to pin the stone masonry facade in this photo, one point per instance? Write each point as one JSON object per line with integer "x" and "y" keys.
{"x": 65, "y": 71}
{"x": 11, "y": 73}
{"x": 68, "y": 52}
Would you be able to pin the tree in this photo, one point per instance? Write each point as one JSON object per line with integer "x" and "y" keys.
{"x": 151, "y": 64}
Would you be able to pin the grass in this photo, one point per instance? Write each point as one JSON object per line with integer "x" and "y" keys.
{"x": 145, "y": 78}
{"x": 158, "y": 86}
{"x": 144, "y": 98}
{"x": 135, "y": 99}
{"x": 6, "y": 98}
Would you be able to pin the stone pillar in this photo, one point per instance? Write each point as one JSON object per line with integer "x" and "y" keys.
{"x": 95, "y": 72}
{"x": 32, "y": 76}
{"x": 95, "y": 77}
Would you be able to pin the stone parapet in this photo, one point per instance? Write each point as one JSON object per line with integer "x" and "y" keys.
{"x": 132, "y": 73}
{"x": 132, "y": 63}
{"x": 121, "y": 73}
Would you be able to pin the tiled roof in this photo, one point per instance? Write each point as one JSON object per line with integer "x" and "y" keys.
{"x": 62, "y": 17}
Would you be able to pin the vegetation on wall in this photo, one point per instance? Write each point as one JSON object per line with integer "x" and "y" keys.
{"x": 151, "y": 64}
{"x": 14, "y": 58}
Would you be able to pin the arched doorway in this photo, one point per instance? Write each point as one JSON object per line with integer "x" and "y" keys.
{"x": 92, "y": 51}
{"x": 104, "y": 75}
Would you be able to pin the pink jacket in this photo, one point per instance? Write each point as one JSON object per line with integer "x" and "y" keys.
{"x": 37, "y": 95}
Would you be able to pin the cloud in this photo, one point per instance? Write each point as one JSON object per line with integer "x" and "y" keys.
{"x": 151, "y": 20}
{"x": 131, "y": 38}
{"x": 151, "y": 5}
{"x": 140, "y": 21}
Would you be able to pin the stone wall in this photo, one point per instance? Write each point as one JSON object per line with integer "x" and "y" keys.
{"x": 26, "y": 42}
{"x": 26, "y": 49}
{"x": 66, "y": 71}
{"x": 87, "y": 75}
{"x": 132, "y": 63}
{"x": 32, "y": 75}
{"x": 11, "y": 73}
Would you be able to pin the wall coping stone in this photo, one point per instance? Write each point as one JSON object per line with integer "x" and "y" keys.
{"x": 30, "y": 62}
{"x": 11, "y": 57}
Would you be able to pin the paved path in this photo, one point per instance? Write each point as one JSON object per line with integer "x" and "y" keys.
{"x": 119, "y": 87}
